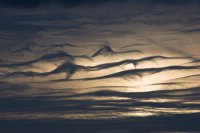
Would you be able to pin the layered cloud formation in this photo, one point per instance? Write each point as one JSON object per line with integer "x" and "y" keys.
{"x": 131, "y": 63}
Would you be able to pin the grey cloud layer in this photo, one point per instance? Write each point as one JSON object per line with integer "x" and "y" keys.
{"x": 98, "y": 22}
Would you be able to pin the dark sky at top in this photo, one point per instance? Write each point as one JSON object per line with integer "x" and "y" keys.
{"x": 72, "y": 3}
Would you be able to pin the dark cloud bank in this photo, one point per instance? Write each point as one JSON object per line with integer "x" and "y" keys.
{"x": 71, "y": 3}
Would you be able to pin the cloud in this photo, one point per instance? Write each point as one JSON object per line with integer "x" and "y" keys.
{"x": 96, "y": 22}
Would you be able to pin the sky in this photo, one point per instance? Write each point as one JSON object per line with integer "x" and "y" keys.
{"x": 86, "y": 21}
{"x": 99, "y": 65}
